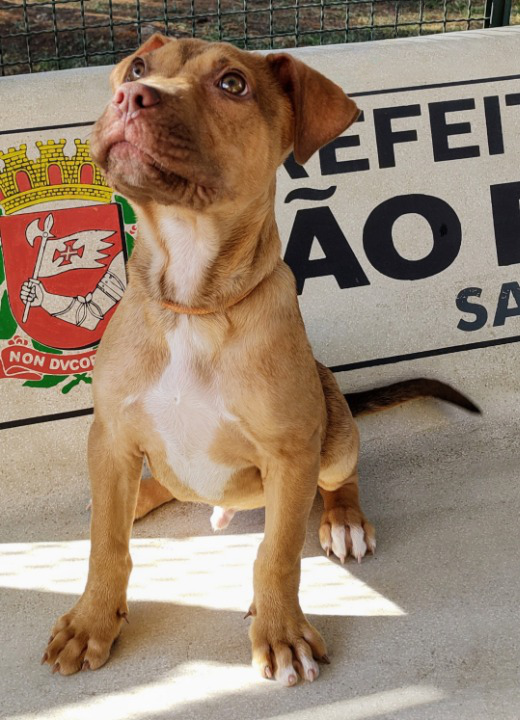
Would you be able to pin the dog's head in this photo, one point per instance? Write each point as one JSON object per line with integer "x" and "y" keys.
{"x": 194, "y": 123}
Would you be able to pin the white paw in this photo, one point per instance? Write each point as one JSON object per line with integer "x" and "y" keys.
{"x": 287, "y": 675}
{"x": 344, "y": 539}
{"x": 221, "y": 517}
{"x": 359, "y": 546}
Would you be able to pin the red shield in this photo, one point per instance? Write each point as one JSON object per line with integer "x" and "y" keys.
{"x": 69, "y": 253}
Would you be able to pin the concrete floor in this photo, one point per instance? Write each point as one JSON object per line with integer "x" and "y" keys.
{"x": 426, "y": 630}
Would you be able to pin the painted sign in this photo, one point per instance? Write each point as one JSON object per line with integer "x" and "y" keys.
{"x": 411, "y": 219}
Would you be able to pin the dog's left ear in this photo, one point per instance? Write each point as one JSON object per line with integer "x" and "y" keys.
{"x": 321, "y": 109}
{"x": 154, "y": 42}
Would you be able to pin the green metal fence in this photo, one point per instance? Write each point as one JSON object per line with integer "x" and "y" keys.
{"x": 40, "y": 35}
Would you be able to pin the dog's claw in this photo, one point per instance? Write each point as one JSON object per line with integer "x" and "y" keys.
{"x": 268, "y": 672}
{"x": 56, "y": 668}
{"x": 251, "y": 612}
{"x": 124, "y": 615}
{"x": 342, "y": 537}
{"x": 359, "y": 546}
{"x": 325, "y": 659}
{"x": 85, "y": 666}
{"x": 44, "y": 659}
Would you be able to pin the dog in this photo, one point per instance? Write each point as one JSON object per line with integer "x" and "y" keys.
{"x": 205, "y": 369}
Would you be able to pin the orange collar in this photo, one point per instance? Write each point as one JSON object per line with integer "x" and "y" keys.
{"x": 186, "y": 310}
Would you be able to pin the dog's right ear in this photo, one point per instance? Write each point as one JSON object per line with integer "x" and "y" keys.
{"x": 321, "y": 109}
{"x": 154, "y": 42}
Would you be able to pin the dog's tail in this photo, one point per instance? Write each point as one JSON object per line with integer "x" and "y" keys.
{"x": 370, "y": 401}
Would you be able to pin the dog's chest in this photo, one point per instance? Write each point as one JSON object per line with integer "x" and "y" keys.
{"x": 188, "y": 413}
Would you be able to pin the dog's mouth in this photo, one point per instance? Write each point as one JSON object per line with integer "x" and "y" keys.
{"x": 160, "y": 162}
{"x": 126, "y": 151}
{"x": 134, "y": 168}
{"x": 127, "y": 154}
{"x": 124, "y": 157}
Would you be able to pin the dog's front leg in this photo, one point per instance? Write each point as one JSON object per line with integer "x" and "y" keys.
{"x": 83, "y": 637}
{"x": 285, "y": 645}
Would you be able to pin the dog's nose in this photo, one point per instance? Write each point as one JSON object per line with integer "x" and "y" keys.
{"x": 131, "y": 97}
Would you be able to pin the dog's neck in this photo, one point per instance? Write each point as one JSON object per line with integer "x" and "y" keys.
{"x": 205, "y": 260}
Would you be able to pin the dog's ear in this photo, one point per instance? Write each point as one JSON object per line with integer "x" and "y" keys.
{"x": 154, "y": 42}
{"x": 321, "y": 109}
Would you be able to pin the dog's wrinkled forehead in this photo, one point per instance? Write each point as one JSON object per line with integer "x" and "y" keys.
{"x": 161, "y": 60}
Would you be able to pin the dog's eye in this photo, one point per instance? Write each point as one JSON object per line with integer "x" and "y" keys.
{"x": 137, "y": 70}
{"x": 233, "y": 83}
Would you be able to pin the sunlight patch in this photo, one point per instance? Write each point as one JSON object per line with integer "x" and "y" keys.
{"x": 371, "y": 706}
{"x": 182, "y": 688}
{"x": 212, "y": 572}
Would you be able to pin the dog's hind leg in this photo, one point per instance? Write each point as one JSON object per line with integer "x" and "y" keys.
{"x": 344, "y": 529}
{"x": 151, "y": 496}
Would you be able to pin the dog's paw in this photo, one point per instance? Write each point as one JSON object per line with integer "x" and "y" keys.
{"x": 82, "y": 638}
{"x": 346, "y": 532}
{"x": 286, "y": 648}
{"x": 221, "y": 517}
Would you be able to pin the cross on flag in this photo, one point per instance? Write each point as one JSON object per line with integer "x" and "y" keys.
{"x": 81, "y": 250}
{"x": 67, "y": 254}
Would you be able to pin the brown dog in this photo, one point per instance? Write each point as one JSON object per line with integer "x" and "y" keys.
{"x": 206, "y": 369}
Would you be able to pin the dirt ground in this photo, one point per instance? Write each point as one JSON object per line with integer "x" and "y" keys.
{"x": 40, "y": 35}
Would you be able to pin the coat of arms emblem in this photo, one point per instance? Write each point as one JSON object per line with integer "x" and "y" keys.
{"x": 64, "y": 240}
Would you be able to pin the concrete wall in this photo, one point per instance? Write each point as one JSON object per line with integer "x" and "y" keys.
{"x": 404, "y": 234}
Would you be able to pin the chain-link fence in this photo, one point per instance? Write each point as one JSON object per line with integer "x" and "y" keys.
{"x": 40, "y": 35}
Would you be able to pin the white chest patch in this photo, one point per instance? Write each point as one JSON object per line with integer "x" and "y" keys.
{"x": 192, "y": 247}
{"x": 187, "y": 415}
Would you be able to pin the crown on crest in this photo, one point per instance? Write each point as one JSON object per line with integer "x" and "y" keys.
{"x": 53, "y": 176}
